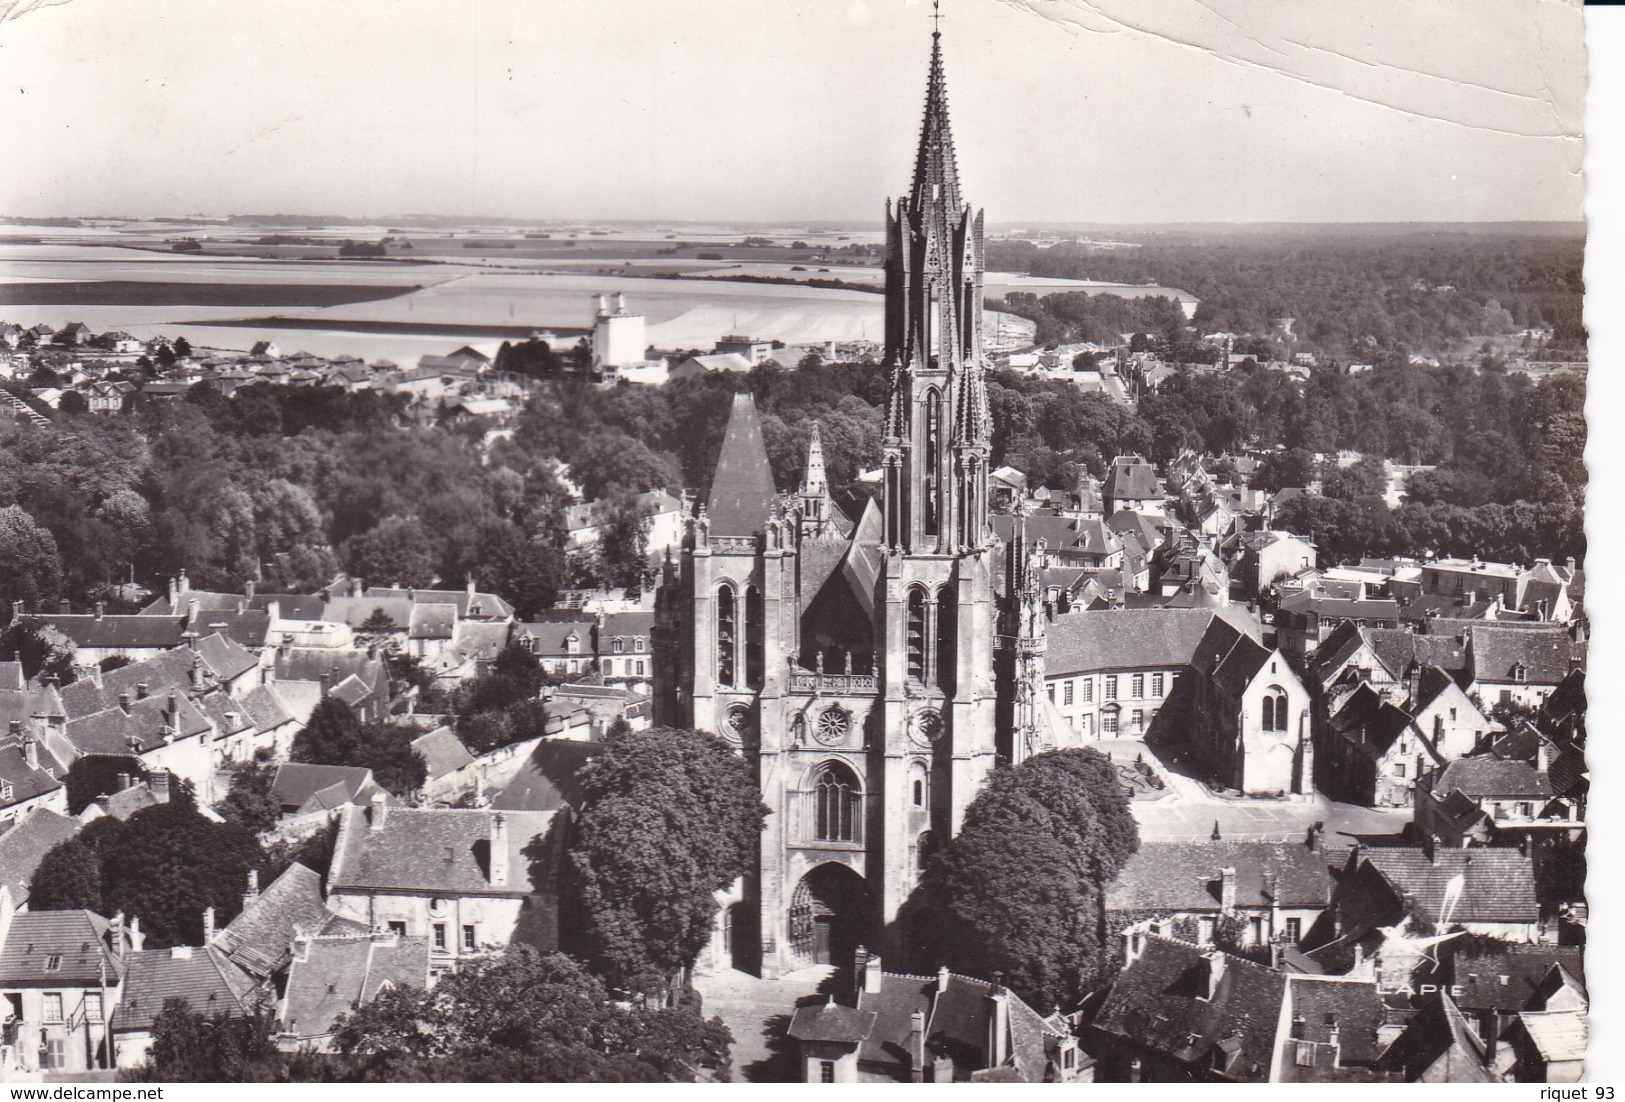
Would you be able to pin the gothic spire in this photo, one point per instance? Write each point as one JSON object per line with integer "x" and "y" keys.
{"x": 936, "y": 176}
{"x": 814, "y": 481}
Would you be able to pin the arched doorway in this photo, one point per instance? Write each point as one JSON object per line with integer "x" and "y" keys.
{"x": 829, "y": 915}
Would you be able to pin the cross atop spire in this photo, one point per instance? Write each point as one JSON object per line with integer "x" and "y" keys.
{"x": 936, "y": 18}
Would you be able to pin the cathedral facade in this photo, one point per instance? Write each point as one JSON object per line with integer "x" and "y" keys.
{"x": 875, "y": 669}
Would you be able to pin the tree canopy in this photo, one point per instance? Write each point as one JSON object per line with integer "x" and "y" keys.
{"x": 669, "y": 817}
{"x": 1020, "y": 889}
{"x": 532, "y": 1018}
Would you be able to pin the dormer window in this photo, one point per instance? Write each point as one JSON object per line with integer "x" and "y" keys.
{"x": 620, "y": 645}
{"x": 53, "y": 962}
{"x": 1520, "y": 673}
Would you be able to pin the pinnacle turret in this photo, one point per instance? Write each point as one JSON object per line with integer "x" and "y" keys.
{"x": 936, "y": 175}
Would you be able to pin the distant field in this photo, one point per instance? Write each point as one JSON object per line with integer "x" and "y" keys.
{"x": 392, "y": 328}
{"x": 155, "y": 293}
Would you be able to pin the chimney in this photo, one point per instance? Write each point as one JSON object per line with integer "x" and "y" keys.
{"x": 174, "y": 594}
{"x": 137, "y": 938}
{"x": 1227, "y": 890}
{"x": 942, "y": 979}
{"x": 208, "y": 925}
{"x": 327, "y": 683}
{"x": 998, "y": 1023}
{"x": 141, "y": 690}
{"x": 378, "y": 812}
{"x": 196, "y": 673}
{"x": 158, "y": 781}
{"x": 248, "y": 590}
{"x": 1215, "y": 971}
{"x": 357, "y": 589}
{"x": 115, "y": 934}
{"x": 916, "y": 1044}
{"x": 620, "y": 303}
{"x": 172, "y": 715}
{"x": 1569, "y": 562}
{"x": 124, "y": 702}
{"x": 499, "y": 850}
{"x": 1431, "y": 848}
{"x": 1413, "y": 686}
{"x": 63, "y": 607}
{"x": 471, "y": 586}
{"x": 16, "y": 610}
{"x": 185, "y": 583}
{"x": 101, "y": 610}
{"x": 189, "y": 637}
{"x": 124, "y": 781}
{"x": 30, "y": 749}
{"x": 1334, "y": 1040}
{"x": 253, "y": 891}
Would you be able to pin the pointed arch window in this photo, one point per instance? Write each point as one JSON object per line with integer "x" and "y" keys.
{"x": 1275, "y": 708}
{"x": 727, "y": 627}
{"x": 837, "y": 800}
{"x": 919, "y": 785}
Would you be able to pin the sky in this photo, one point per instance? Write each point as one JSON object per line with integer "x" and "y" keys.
{"x": 1092, "y": 111}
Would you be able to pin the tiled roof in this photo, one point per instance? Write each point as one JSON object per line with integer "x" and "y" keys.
{"x": 1368, "y": 718}
{"x": 296, "y": 781}
{"x": 547, "y": 779}
{"x": 442, "y": 752}
{"x": 260, "y": 937}
{"x": 146, "y": 726}
{"x": 355, "y": 611}
{"x": 433, "y": 850}
{"x": 1185, "y": 876}
{"x": 742, "y": 489}
{"x": 249, "y": 628}
{"x": 116, "y": 631}
{"x": 1478, "y": 778}
{"x": 330, "y": 976}
{"x": 1397, "y": 649}
{"x": 210, "y": 984}
{"x": 1544, "y": 651}
{"x": 26, "y": 781}
{"x": 266, "y": 708}
{"x": 310, "y": 664}
{"x": 26, "y": 844}
{"x": 1167, "y": 1001}
{"x": 225, "y": 657}
{"x": 480, "y": 639}
{"x": 1242, "y": 662}
{"x": 1496, "y": 885}
{"x": 1354, "y": 1009}
{"x": 11, "y": 677}
{"x": 57, "y": 949}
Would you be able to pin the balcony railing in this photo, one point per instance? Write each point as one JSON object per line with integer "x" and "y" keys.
{"x": 834, "y": 684}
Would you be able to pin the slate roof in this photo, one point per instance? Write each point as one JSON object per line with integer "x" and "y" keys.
{"x": 439, "y": 851}
{"x": 442, "y": 752}
{"x": 1479, "y": 778}
{"x": 1368, "y": 718}
{"x": 1543, "y": 650}
{"x": 26, "y": 781}
{"x": 260, "y": 938}
{"x": 26, "y": 844}
{"x": 1498, "y": 885}
{"x": 250, "y": 627}
{"x": 266, "y": 708}
{"x": 1131, "y": 477}
{"x": 831, "y": 1022}
{"x": 1397, "y": 649}
{"x": 547, "y": 638}
{"x": 1123, "y": 639}
{"x": 11, "y": 677}
{"x": 1164, "y": 1002}
{"x": 956, "y": 1020}
{"x": 1184, "y": 876}
{"x": 354, "y": 611}
{"x": 116, "y": 631}
{"x": 432, "y": 621}
{"x": 628, "y": 625}
{"x": 145, "y": 727}
{"x": 296, "y": 781}
{"x": 480, "y": 639}
{"x": 470, "y": 606}
{"x": 1241, "y": 663}
{"x": 35, "y": 938}
{"x": 547, "y": 779}
{"x": 1478, "y": 968}
{"x": 330, "y": 976}
{"x": 209, "y": 982}
{"x": 309, "y": 664}
{"x": 742, "y": 490}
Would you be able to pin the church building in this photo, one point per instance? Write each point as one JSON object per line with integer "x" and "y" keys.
{"x": 874, "y": 669}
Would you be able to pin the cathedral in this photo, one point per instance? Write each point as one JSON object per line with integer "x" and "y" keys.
{"x": 874, "y": 669}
